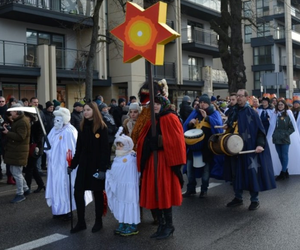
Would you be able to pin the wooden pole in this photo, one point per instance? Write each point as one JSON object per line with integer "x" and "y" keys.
{"x": 153, "y": 123}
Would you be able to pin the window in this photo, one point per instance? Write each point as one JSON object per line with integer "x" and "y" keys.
{"x": 17, "y": 90}
{"x": 195, "y": 65}
{"x": 247, "y": 9}
{"x": 247, "y": 33}
{"x": 262, "y": 8}
{"x": 257, "y": 78}
{"x": 263, "y": 55}
{"x": 263, "y": 30}
{"x": 37, "y": 38}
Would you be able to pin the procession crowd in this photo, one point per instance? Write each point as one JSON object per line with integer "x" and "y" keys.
{"x": 245, "y": 141}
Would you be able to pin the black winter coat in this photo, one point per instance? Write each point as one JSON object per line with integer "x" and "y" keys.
{"x": 185, "y": 110}
{"x": 76, "y": 118}
{"x": 91, "y": 155}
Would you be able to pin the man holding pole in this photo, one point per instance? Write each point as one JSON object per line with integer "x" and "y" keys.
{"x": 252, "y": 171}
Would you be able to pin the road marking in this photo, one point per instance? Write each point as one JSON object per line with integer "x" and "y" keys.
{"x": 40, "y": 242}
{"x": 211, "y": 185}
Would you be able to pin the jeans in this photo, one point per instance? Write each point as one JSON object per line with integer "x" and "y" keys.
{"x": 239, "y": 195}
{"x": 21, "y": 184}
{"x": 283, "y": 154}
{"x": 192, "y": 183}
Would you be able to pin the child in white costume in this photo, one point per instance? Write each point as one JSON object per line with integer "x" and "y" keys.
{"x": 122, "y": 186}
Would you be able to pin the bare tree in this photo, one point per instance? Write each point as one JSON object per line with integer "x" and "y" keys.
{"x": 229, "y": 29}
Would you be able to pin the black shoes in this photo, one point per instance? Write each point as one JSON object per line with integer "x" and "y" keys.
{"x": 188, "y": 193}
{"x": 97, "y": 227}
{"x": 203, "y": 194}
{"x": 254, "y": 205}
{"x": 235, "y": 202}
{"x": 27, "y": 192}
{"x": 79, "y": 227}
{"x": 282, "y": 176}
{"x": 39, "y": 189}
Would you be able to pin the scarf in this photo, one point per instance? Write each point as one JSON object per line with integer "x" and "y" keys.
{"x": 130, "y": 124}
{"x": 108, "y": 117}
{"x": 123, "y": 152}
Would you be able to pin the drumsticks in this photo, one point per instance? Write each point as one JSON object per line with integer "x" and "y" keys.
{"x": 247, "y": 151}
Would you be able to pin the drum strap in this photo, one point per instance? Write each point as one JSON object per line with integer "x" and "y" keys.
{"x": 234, "y": 129}
{"x": 201, "y": 124}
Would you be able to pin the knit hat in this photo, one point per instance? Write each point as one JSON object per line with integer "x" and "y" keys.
{"x": 135, "y": 106}
{"x": 102, "y": 106}
{"x": 164, "y": 101}
{"x": 132, "y": 98}
{"x": 186, "y": 99}
{"x": 296, "y": 101}
{"x": 204, "y": 98}
{"x": 121, "y": 100}
{"x": 56, "y": 103}
{"x": 64, "y": 113}
{"x": 49, "y": 104}
{"x": 77, "y": 104}
{"x": 124, "y": 139}
{"x": 213, "y": 98}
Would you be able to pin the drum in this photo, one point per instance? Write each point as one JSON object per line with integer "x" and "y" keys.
{"x": 229, "y": 144}
{"x": 193, "y": 136}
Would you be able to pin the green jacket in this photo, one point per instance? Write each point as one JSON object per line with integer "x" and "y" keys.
{"x": 283, "y": 129}
{"x": 17, "y": 147}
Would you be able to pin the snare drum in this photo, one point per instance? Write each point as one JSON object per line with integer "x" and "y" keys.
{"x": 193, "y": 136}
{"x": 229, "y": 144}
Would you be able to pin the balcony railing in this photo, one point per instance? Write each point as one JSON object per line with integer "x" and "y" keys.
{"x": 211, "y": 4}
{"x": 73, "y": 7}
{"x": 192, "y": 72}
{"x": 17, "y": 54}
{"x": 25, "y": 55}
{"x": 296, "y": 61}
{"x": 165, "y": 71}
{"x": 219, "y": 75}
{"x": 200, "y": 36}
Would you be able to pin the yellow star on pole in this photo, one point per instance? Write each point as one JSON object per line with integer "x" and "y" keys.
{"x": 145, "y": 33}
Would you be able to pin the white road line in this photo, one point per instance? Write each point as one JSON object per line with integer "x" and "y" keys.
{"x": 40, "y": 242}
{"x": 211, "y": 185}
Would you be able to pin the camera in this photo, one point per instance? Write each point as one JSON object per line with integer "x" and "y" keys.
{"x": 8, "y": 127}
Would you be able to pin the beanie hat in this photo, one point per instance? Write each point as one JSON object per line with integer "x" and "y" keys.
{"x": 49, "y": 104}
{"x": 64, "y": 113}
{"x": 204, "y": 98}
{"x": 135, "y": 106}
{"x": 124, "y": 139}
{"x": 186, "y": 99}
{"x": 56, "y": 103}
{"x": 77, "y": 104}
{"x": 296, "y": 101}
{"x": 102, "y": 106}
{"x": 121, "y": 100}
{"x": 163, "y": 101}
{"x": 213, "y": 98}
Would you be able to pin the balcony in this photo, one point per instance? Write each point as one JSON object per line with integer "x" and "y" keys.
{"x": 64, "y": 13}
{"x": 201, "y": 41}
{"x": 219, "y": 78}
{"x": 203, "y": 9}
{"x": 166, "y": 71}
{"x": 278, "y": 14}
{"x": 21, "y": 59}
{"x": 296, "y": 62}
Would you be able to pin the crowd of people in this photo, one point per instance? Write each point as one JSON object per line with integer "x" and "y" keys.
{"x": 115, "y": 155}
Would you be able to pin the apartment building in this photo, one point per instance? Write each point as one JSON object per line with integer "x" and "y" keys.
{"x": 188, "y": 61}
{"x": 43, "y": 49}
{"x": 44, "y": 44}
{"x": 273, "y": 48}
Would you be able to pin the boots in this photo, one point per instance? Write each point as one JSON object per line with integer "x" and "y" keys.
{"x": 281, "y": 176}
{"x": 168, "y": 229}
{"x": 79, "y": 227}
{"x": 97, "y": 226}
{"x": 10, "y": 180}
{"x": 287, "y": 175}
{"x": 161, "y": 222}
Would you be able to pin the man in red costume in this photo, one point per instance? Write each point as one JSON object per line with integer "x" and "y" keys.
{"x": 161, "y": 188}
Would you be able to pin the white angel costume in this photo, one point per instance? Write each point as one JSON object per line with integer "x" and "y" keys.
{"x": 61, "y": 138}
{"x": 294, "y": 156}
{"x": 122, "y": 183}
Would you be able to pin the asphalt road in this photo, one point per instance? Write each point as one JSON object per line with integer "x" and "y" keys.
{"x": 199, "y": 223}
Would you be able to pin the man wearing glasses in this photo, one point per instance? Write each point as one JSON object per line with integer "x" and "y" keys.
{"x": 252, "y": 171}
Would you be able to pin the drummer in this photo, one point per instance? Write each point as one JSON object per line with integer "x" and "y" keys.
{"x": 208, "y": 117}
{"x": 252, "y": 171}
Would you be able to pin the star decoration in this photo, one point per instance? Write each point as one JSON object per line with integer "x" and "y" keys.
{"x": 254, "y": 163}
{"x": 145, "y": 33}
{"x": 245, "y": 135}
{"x": 249, "y": 119}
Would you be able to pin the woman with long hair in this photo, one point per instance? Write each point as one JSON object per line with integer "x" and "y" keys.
{"x": 92, "y": 158}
